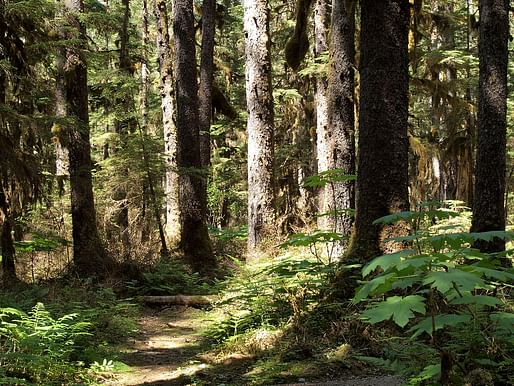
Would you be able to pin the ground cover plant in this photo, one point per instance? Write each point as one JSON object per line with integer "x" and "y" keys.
{"x": 64, "y": 340}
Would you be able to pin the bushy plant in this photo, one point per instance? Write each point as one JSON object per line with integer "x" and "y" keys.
{"x": 169, "y": 277}
{"x": 37, "y": 348}
{"x": 454, "y": 299}
{"x": 271, "y": 293}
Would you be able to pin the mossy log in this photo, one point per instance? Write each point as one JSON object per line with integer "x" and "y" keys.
{"x": 179, "y": 300}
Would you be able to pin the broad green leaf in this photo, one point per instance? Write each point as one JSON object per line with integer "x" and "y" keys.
{"x": 410, "y": 216}
{"x": 440, "y": 321}
{"x": 406, "y": 281}
{"x": 395, "y": 217}
{"x": 418, "y": 261}
{"x": 400, "y": 309}
{"x": 378, "y": 285}
{"x": 481, "y": 300}
{"x": 491, "y": 235}
{"x": 505, "y": 320}
{"x": 404, "y": 239}
{"x": 386, "y": 261}
{"x": 492, "y": 273}
{"x": 444, "y": 281}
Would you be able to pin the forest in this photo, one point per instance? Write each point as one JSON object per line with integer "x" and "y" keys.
{"x": 256, "y": 192}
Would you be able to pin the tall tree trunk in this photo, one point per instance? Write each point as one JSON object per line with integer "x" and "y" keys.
{"x": 61, "y": 151}
{"x": 7, "y": 243}
{"x": 260, "y": 125}
{"x": 143, "y": 104}
{"x": 194, "y": 237}
{"x": 321, "y": 20}
{"x": 206, "y": 79}
{"x": 148, "y": 187}
{"x": 341, "y": 146}
{"x": 383, "y": 145}
{"x": 123, "y": 126}
{"x": 488, "y": 208}
{"x": 173, "y": 225}
{"x": 145, "y": 71}
{"x": 88, "y": 253}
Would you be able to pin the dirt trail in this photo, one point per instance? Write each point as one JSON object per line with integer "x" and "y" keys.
{"x": 167, "y": 351}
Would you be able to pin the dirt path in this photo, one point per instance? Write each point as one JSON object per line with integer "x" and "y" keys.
{"x": 165, "y": 350}
{"x": 167, "y": 353}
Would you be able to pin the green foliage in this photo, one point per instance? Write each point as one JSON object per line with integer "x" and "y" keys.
{"x": 39, "y": 243}
{"x": 37, "y": 347}
{"x": 447, "y": 291}
{"x": 273, "y": 293}
{"x": 169, "y": 277}
{"x": 328, "y": 177}
{"x": 93, "y": 321}
{"x": 230, "y": 234}
{"x": 320, "y": 243}
{"x": 400, "y": 309}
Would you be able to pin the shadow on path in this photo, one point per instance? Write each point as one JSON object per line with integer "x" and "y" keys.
{"x": 165, "y": 349}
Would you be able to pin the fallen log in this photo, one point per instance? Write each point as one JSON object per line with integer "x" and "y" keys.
{"x": 179, "y": 300}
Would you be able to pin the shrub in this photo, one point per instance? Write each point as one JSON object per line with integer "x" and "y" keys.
{"x": 37, "y": 348}
{"x": 453, "y": 298}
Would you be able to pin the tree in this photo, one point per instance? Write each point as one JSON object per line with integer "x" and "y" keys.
{"x": 206, "y": 79}
{"x": 321, "y": 21}
{"x": 382, "y": 182}
{"x": 260, "y": 125}
{"x": 194, "y": 237}
{"x": 168, "y": 120}
{"x": 88, "y": 253}
{"x": 341, "y": 145}
{"x": 124, "y": 124}
{"x": 488, "y": 207}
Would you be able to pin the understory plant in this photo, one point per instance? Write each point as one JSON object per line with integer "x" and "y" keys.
{"x": 453, "y": 302}
{"x": 270, "y": 294}
{"x": 36, "y": 348}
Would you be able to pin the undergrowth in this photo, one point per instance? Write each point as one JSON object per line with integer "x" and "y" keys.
{"x": 58, "y": 334}
{"x": 437, "y": 312}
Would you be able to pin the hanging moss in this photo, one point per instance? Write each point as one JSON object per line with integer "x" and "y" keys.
{"x": 298, "y": 45}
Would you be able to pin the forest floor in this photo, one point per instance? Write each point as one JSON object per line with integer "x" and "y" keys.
{"x": 170, "y": 350}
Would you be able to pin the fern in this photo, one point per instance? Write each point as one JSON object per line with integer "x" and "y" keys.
{"x": 36, "y": 347}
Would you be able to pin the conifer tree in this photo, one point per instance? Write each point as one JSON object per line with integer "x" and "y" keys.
{"x": 488, "y": 207}
{"x": 167, "y": 89}
{"x": 260, "y": 125}
{"x": 194, "y": 237}
{"x": 383, "y": 144}
{"x": 341, "y": 116}
{"x": 88, "y": 254}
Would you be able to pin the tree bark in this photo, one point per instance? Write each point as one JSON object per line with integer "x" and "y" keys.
{"x": 383, "y": 145}
{"x": 194, "y": 237}
{"x": 206, "y": 79}
{"x": 123, "y": 126}
{"x": 7, "y": 244}
{"x": 321, "y": 20}
{"x": 341, "y": 141}
{"x": 173, "y": 226}
{"x": 61, "y": 151}
{"x": 89, "y": 256}
{"x": 488, "y": 208}
{"x": 260, "y": 125}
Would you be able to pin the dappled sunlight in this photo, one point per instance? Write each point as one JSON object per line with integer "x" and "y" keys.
{"x": 164, "y": 350}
